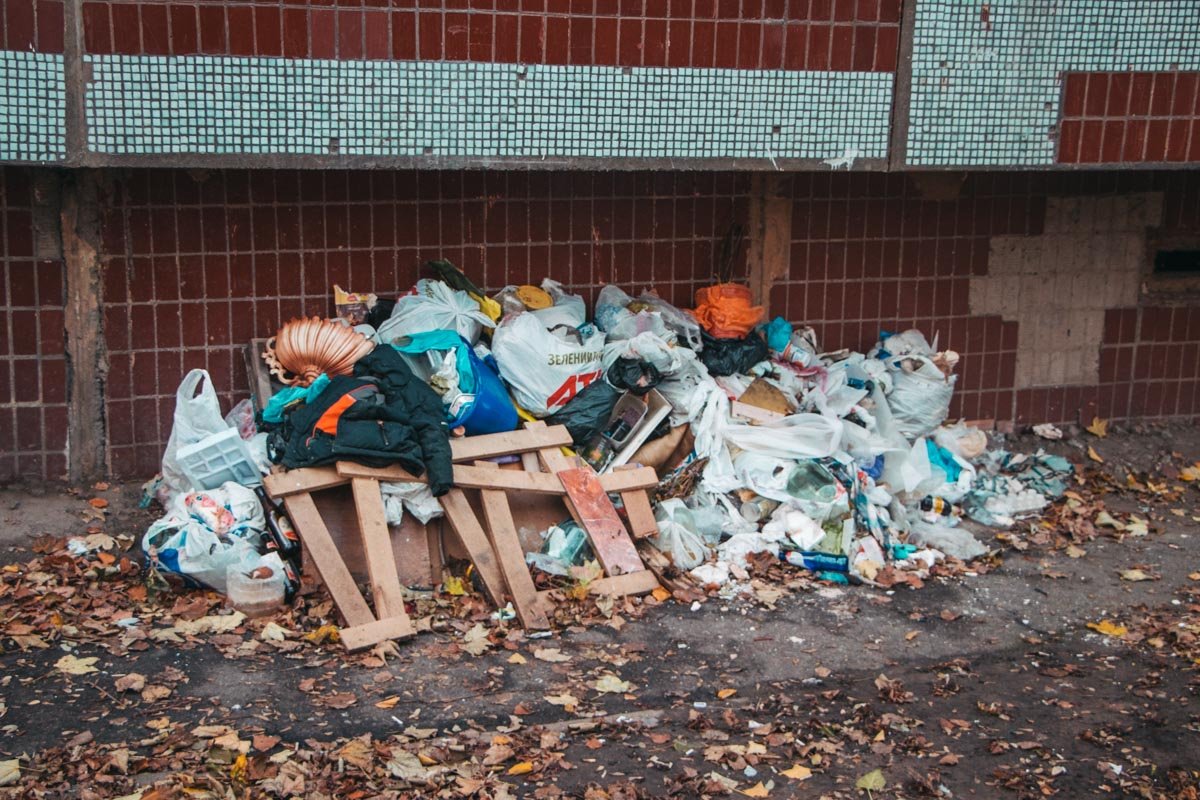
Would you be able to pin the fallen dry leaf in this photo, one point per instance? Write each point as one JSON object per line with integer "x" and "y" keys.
{"x": 551, "y": 654}
{"x": 873, "y": 781}
{"x": 389, "y": 702}
{"x": 757, "y": 790}
{"x": 155, "y": 692}
{"x": 1135, "y": 575}
{"x": 520, "y": 768}
{"x": 475, "y": 641}
{"x": 1098, "y": 428}
{"x": 798, "y": 772}
{"x": 1108, "y": 628}
{"x": 726, "y": 693}
{"x": 10, "y": 771}
{"x": 133, "y": 682}
{"x": 609, "y": 683}
{"x": 1093, "y": 455}
{"x": 517, "y": 658}
{"x": 76, "y": 666}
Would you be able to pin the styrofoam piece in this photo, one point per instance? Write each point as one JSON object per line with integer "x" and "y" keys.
{"x": 218, "y": 458}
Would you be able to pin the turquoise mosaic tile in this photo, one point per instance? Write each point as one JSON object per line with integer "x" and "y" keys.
{"x": 222, "y": 105}
{"x": 33, "y": 107}
{"x": 986, "y": 86}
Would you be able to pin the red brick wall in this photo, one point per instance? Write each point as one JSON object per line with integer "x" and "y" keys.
{"x": 194, "y": 270}
{"x": 33, "y": 375}
{"x": 744, "y": 34}
{"x": 1130, "y": 117}
{"x": 197, "y": 264}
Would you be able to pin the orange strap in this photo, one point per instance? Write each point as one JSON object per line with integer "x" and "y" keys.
{"x": 329, "y": 420}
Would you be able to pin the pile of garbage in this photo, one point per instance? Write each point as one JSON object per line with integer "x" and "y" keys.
{"x": 838, "y": 462}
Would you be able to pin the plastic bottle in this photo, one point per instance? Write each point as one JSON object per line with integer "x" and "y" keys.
{"x": 817, "y": 562}
{"x": 937, "y": 507}
{"x": 257, "y": 592}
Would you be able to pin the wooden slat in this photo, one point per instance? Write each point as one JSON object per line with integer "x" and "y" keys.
{"x": 377, "y": 547}
{"x": 295, "y": 481}
{"x": 325, "y": 557}
{"x": 476, "y": 477}
{"x": 530, "y": 462}
{"x": 360, "y": 637}
{"x": 640, "y": 514}
{"x": 462, "y": 519}
{"x": 642, "y": 582}
{"x": 511, "y": 556}
{"x": 595, "y": 512}
{"x": 491, "y": 445}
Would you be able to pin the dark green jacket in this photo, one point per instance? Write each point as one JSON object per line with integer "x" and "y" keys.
{"x": 382, "y": 415}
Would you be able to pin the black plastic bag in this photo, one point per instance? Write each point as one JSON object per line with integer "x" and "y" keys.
{"x": 730, "y": 356}
{"x": 635, "y": 376}
{"x": 587, "y": 413}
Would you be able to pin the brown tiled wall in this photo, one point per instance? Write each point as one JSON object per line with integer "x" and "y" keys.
{"x": 1130, "y": 117}
{"x": 31, "y": 25}
{"x": 194, "y": 270}
{"x": 33, "y": 375}
{"x": 743, "y": 34}
{"x": 196, "y": 264}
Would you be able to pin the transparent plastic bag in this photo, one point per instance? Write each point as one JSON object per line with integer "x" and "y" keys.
{"x": 434, "y": 307}
{"x": 197, "y": 416}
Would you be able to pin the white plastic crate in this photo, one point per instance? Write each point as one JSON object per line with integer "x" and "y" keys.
{"x": 218, "y": 458}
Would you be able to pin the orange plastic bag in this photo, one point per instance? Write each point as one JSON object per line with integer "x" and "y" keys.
{"x": 725, "y": 310}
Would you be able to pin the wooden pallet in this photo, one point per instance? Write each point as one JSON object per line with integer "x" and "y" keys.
{"x": 493, "y": 546}
{"x": 363, "y": 628}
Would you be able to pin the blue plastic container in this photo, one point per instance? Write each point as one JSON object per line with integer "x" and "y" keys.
{"x": 493, "y": 410}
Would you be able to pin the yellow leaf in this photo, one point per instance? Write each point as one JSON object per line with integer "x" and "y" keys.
{"x": 237, "y": 771}
{"x": 873, "y": 781}
{"x": 1108, "y": 628}
{"x": 76, "y": 666}
{"x": 1194, "y": 576}
{"x": 1189, "y": 474}
{"x": 1135, "y": 575}
{"x": 757, "y": 790}
{"x": 660, "y": 594}
{"x": 726, "y": 693}
{"x": 517, "y": 658}
{"x": 520, "y": 768}
{"x": 1075, "y": 552}
{"x": 322, "y": 633}
{"x": 908, "y": 637}
{"x": 1093, "y": 455}
{"x": 453, "y": 585}
{"x": 799, "y": 772}
{"x": 10, "y": 772}
{"x": 389, "y": 702}
{"x": 1098, "y": 428}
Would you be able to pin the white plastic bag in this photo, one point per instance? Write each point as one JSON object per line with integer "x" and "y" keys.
{"x": 964, "y": 442}
{"x": 920, "y": 396}
{"x": 677, "y": 536}
{"x": 545, "y": 369}
{"x": 414, "y": 497}
{"x": 434, "y": 307}
{"x": 203, "y": 534}
{"x": 196, "y": 416}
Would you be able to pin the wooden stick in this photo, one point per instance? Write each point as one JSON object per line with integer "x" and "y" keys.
{"x": 491, "y": 445}
{"x": 462, "y": 520}
{"x": 308, "y": 479}
{"x": 360, "y": 637}
{"x": 477, "y": 477}
{"x": 386, "y": 590}
{"x": 507, "y": 545}
{"x": 328, "y": 561}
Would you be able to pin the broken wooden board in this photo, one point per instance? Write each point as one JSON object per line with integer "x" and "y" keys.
{"x": 595, "y": 512}
{"x": 493, "y": 445}
{"x": 297, "y": 481}
{"x": 381, "y": 565}
{"x": 634, "y": 583}
{"x": 478, "y": 477}
{"x": 511, "y": 557}
{"x": 363, "y": 629}
{"x": 327, "y": 560}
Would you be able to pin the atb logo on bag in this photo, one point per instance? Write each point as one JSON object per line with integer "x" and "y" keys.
{"x": 571, "y": 387}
